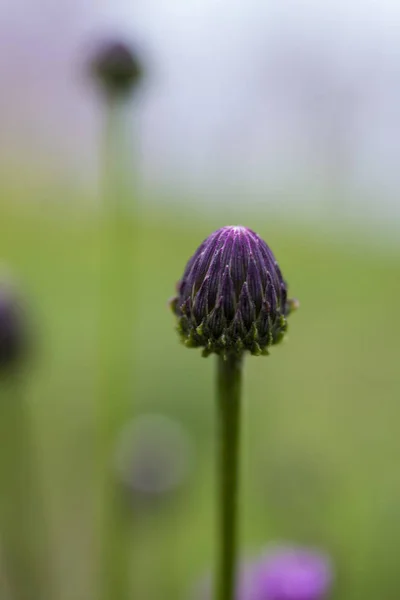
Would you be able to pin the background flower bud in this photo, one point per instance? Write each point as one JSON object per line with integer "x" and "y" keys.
{"x": 116, "y": 67}
{"x": 232, "y": 296}
{"x": 12, "y": 338}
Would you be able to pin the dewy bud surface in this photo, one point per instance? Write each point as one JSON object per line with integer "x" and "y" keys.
{"x": 232, "y": 296}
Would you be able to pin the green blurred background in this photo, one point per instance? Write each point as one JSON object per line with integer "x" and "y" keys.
{"x": 279, "y": 117}
{"x": 320, "y": 440}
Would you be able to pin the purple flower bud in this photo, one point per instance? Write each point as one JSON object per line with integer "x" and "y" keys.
{"x": 291, "y": 574}
{"x": 12, "y": 339}
{"x": 232, "y": 296}
{"x": 116, "y": 67}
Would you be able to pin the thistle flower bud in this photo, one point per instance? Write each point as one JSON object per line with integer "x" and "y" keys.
{"x": 232, "y": 296}
{"x": 12, "y": 343}
{"x": 116, "y": 67}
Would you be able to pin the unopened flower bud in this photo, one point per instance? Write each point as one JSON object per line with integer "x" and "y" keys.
{"x": 232, "y": 296}
{"x": 117, "y": 68}
{"x": 12, "y": 339}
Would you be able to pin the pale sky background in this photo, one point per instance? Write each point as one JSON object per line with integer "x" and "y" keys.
{"x": 240, "y": 96}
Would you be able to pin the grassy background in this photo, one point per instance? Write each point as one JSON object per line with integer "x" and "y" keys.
{"x": 321, "y": 435}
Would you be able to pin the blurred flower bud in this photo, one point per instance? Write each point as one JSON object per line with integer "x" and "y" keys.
{"x": 283, "y": 573}
{"x": 292, "y": 573}
{"x": 232, "y": 296}
{"x": 154, "y": 457}
{"x": 116, "y": 67}
{"x": 12, "y": 338}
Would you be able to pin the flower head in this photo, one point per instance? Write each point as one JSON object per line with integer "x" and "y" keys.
{"x": 292, "y": 573}
{"x": 116, "y": 67}
{"x": 12, "y": 342}
{"x": 232, "y": 296}
{"x": 283, "y": 573}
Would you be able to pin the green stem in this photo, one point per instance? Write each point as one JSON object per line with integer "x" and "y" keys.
{"x": 22, "y": 516}
{"x": 229, "y": 394}
{"x": 115, "y": 408}
{"x": 116, "y": 361}
{"x": 117, "y": 168}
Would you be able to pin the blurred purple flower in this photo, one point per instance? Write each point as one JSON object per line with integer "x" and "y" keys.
{"x": 283, "y": 573}
{"x": 291, "y": 573}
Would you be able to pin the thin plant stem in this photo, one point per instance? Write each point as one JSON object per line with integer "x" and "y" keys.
{"x": 116, "y": 150}
{"x": 116, "y": 360}
{"x": 22, "y": 514}
{"x": 229, "y": 405}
